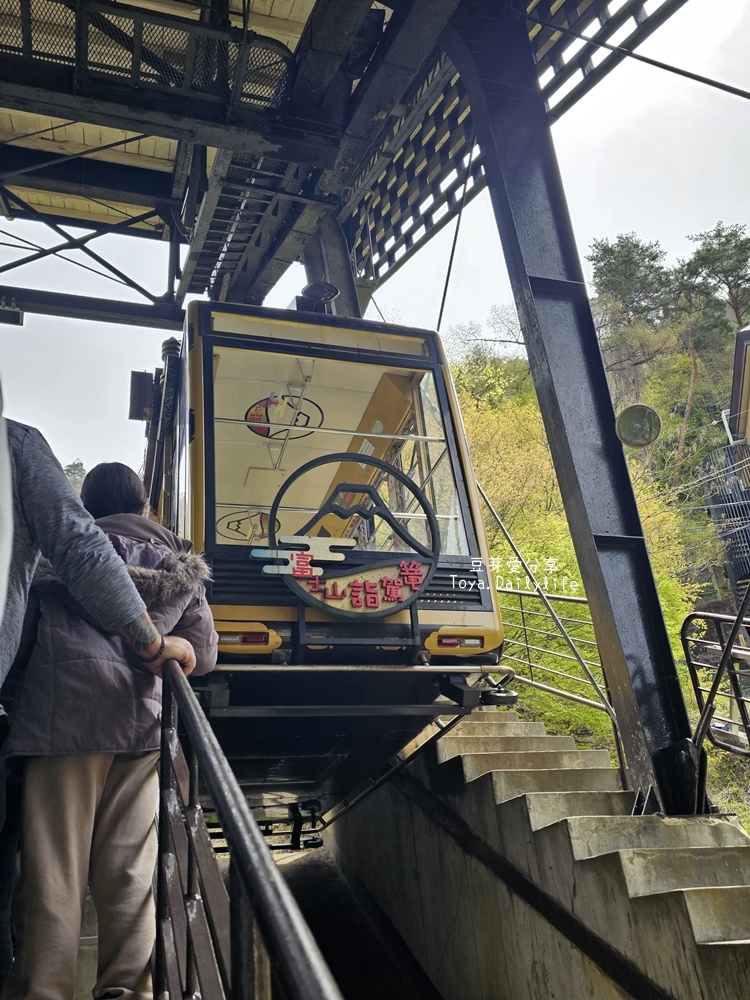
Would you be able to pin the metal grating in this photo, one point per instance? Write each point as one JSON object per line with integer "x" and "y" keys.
{"x": 150, "y": 50}
{"x": 214, "y": 66}
{"x": 163, "y": 56}
{"x": 110, "y": 45}
{"x": 11, "y": 33}
{"x": 432, "y": 160}
{"x": 413, "y": 183}
{"x": 268, "y": 76}
{"x": 726, "y": 486}
{"x": 49, "y": 27}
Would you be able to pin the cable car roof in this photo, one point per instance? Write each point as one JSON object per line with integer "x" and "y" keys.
{"x": 168, "y": 119}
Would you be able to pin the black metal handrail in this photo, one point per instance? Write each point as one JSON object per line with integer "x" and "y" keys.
{"x": 210, "y": 941}
{"x": 714, "y": 650}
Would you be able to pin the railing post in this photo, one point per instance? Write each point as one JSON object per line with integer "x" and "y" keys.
{"x": 525, "y": 636}
{"x": 81, "y": 72}
{"x": 251, "y": 967}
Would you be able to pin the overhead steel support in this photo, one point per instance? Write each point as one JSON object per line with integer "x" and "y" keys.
{"x": 329, "y": 32}
{"x": 408, "y": 40}
{"x": 158, "y": 315}
{"x": 326, "y": 258}
{"x": 31, "y": 169}
{"x": 117, "y": 106}
{"x": 218, "y": 86}
{"x": 490, "y": 47}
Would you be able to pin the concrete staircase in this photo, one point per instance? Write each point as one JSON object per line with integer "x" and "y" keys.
{"x": 671, "y": 896}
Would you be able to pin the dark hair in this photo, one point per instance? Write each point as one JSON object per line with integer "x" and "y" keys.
{"x": 113, "y": 488}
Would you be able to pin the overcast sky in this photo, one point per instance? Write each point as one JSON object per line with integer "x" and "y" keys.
{"x": 645, "y": 151}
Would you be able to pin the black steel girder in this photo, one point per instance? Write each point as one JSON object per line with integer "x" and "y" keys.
{"x": 107, "y": 181}
{"x": 159, "y": 315}
{"x": 496, "y": 62}
{"x": 408, "y": 41}
{"x": 329, "y": 32}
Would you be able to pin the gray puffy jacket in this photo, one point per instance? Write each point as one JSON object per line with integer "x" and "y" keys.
{"x": 85, "y": 690}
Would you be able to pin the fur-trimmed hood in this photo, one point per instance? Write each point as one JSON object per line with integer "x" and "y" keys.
{"x": 85, "y": 690}
{"x": 179, "y": 574}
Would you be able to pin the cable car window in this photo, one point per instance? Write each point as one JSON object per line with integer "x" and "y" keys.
{"x": 325, "y": 335}
{"x": 275, "y": 412}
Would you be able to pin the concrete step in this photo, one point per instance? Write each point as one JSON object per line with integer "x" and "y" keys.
{"x": 546, "y": 808}
{"x": 454, "y": 746}
{"x": 719, "y": 916}
{"x": 510, "y": 784}
{"x": 655, "y": 870}
{"x": 500, "y": 729}
{"x": 489, "y": 713}
{"x": 591, "y": 836}
{"x": 476, "y": 764}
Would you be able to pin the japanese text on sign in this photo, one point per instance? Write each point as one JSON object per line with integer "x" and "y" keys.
{"x": 364, "y": 593}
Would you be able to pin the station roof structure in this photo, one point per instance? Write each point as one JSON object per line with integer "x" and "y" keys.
{"x": 232, "y": 127}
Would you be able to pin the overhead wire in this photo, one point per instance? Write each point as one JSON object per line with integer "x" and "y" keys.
{"x": 727, "y": 88}
{"x": 455, "y": 233}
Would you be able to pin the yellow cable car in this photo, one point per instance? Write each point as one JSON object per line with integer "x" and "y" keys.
{"x": 321, "y": 466}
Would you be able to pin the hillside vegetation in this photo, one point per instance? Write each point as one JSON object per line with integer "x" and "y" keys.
{"x": 667, "y": 336}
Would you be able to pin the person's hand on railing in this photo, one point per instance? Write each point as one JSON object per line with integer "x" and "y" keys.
{"x": 172, "y": 647}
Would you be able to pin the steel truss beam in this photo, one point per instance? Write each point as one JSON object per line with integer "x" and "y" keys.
{"x": 220, "y": 87}
{"x": 70, "y": 242}
{"x": 116, "y": 106}
{"x": 158, "y": 315}
{"x": 412, "y": 185}
{"x": 409, "y": 39}
{"x": 128, "y": 185}
{"x": 496, "y": 62}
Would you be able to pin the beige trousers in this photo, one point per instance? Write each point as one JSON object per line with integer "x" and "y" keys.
{"x": 87, "y": 818}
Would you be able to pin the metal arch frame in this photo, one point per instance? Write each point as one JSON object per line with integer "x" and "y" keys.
{"x": 288, "y": 159}
{"x": 87, "y": 307}
{"x": 496, "y": 61}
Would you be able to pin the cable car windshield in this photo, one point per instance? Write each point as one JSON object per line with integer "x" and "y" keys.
{"x": 275, "y": 411}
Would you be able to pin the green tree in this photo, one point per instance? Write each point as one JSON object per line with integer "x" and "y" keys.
{"x": 487, "y": 378}
{"x": 630, "y": 272}
{"x": 722, "y": 260}
{"x": 76, "y": 473}
{"x": 633, "y": 292}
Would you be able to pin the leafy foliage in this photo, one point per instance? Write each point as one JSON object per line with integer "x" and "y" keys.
{"x": 667, "y": 339}
{"x": 722, "y": 260}
{"x": 631, "y": 274}
{"x": 76, "y": 473}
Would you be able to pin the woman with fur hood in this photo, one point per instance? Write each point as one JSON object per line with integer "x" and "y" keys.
{"x": 87, "y": 719}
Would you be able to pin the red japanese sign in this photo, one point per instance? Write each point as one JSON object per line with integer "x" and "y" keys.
{"x": 361, "y": 593}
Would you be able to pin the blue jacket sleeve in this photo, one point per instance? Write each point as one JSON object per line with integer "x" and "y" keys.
{"x": 66, "y": 534}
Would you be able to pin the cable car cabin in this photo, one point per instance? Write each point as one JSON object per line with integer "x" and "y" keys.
{"x": 321, "y": 466}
